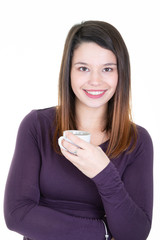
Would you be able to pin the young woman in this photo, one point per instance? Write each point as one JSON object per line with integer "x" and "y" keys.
{"x": 103, "y": 190}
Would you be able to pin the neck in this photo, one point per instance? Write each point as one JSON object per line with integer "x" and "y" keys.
{"x": 90, "y": 119}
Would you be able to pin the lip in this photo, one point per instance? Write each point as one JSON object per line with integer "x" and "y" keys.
{"x": 99, "y": 94}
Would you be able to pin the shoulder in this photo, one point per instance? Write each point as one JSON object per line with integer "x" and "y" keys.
{"x": 144, "y": 141}
{"x": 143, "y": 135}
{"x": 39, "y": 116}
{"x": 46, "y": 114}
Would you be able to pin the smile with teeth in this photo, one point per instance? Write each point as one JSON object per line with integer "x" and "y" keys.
{"x": 94, "y": 92}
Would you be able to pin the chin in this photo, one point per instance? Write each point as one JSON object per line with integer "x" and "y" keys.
{"x": 96, "y": 105}
{"x": 92, "y": 104}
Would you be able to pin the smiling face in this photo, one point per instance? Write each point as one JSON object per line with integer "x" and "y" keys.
{"x": 94, "y": 75}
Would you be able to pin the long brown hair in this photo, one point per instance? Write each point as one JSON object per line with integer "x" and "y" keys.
{"x": 119, "y": 126}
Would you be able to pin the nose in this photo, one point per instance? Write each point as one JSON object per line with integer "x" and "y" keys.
{"x": 95, "y": 78}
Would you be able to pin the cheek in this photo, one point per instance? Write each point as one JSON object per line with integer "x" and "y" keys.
{"x": 74, "y": 82}
{"x": 116, "y": 82}
{"x": 77, "y": 80}
{"x": 113, "y": 81}
{"x": 72, "y": 78}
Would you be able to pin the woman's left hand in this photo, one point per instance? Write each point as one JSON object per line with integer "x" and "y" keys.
{"x": 88, "y": 158}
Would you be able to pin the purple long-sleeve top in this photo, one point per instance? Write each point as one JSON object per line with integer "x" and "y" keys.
{"x": 48, "y": 198}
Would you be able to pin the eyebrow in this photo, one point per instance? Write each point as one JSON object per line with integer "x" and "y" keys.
{"x": 106, "y": 64}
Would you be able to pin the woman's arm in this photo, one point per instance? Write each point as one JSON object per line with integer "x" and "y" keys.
{"x": 128, "y": 200}
{"x": 23, "y": 213}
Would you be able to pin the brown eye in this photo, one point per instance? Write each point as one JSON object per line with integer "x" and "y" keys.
{"x": 107, "y": 69}
{"x": 83, "y": 69}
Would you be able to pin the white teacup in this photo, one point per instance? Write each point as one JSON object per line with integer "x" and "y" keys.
{"x": 86, "y": 136}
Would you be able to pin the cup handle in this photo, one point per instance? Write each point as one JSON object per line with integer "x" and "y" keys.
{"x": 59, "y": 142}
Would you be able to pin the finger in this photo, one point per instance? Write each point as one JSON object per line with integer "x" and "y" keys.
{"x": 69, "y": 146}
{"x": 71, "y": 157}
{"x": 78, "y": 141}
{"x": 72, "y": 148}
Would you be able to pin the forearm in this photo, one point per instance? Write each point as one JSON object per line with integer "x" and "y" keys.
{"x": 38, "y": 222}
{"x": 126, "y": 220}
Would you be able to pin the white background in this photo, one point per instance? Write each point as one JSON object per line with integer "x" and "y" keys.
{"x": 32, "y": 35}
